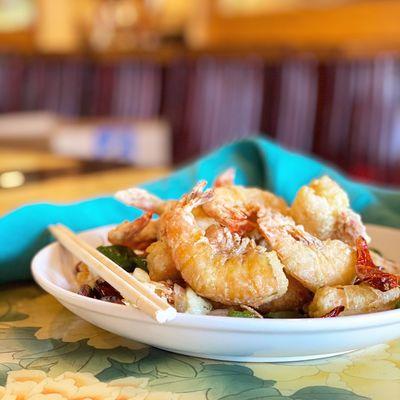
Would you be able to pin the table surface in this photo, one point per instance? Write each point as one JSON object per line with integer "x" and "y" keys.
{"x": 27, "y": 160}
{"x": 46, "y": 349}
{"x": 68, "y": 188}
{"x": 38, "y": 333}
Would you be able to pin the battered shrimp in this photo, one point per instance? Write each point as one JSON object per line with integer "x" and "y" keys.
{"x": 296, "y": 297}
{"x": 356, "y": 299}
{"x": 314, "y": 263}
{"x": 245, "y": 275}
{"x": 323, "y": 208}
{"x": 159, "y": 259}
{"x": 160, "y": 264}
{"x": 145, "y": 201}
{"x": 136, "y": 234}
{"x": 142, "y": 232}
{"x": 232, "y": 201}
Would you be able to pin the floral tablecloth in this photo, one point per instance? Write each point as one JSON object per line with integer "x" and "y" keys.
{"x": 48, "y": 353}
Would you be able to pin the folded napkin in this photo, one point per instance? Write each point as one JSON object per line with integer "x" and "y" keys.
{"x": 258, "y": 162}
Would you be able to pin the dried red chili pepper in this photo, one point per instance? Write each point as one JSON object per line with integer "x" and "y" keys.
{"x": 112, "y": 299}
{"x": 334, "y": 313}
{"x": 103, "y": 289}
{"x": 371, "y": 274}
{"x": 86, "y": 290}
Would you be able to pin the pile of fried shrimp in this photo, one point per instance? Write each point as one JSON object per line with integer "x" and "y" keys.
{"x": 243, "y": 251}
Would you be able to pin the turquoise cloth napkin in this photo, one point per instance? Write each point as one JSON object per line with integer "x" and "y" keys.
{"x": 259, "y": 162}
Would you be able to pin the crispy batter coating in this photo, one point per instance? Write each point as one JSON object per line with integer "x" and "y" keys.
{"x": 160, "y": 264}
{"x": 356, "y": 299}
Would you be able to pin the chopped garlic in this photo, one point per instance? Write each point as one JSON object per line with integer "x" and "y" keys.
{"x": 141, "y": 275}
{"x": 196, "y": 304}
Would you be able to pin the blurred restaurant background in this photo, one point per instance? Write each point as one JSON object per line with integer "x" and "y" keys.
{"x": 105, "y": 88}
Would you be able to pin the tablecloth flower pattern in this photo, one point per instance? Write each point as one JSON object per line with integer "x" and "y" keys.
{"x": 46, "y": 352}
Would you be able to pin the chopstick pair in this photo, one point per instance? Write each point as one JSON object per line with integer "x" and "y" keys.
{"x": 130, "y": 288}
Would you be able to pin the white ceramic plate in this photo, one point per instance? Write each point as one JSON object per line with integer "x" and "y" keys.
{"x": 223, "y": 338}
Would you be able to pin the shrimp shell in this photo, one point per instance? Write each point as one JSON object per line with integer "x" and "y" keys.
{"x": 246, "y": 276}
{"x": 356, "y": 299}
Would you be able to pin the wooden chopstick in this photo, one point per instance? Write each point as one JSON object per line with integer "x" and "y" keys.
{"x": 130, "y": 288}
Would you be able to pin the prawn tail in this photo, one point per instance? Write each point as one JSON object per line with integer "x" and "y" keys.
{"x": 124, "y": 233}
{"x": 197, "y": 196}
{"x": 227, "y": 178}
{"x": 237, "y": 220}
{"x": 140, "y": 223}
{"x": 301, "y": 235}
{"x": 140, "y": 198}
{"x": 272, "y": 224}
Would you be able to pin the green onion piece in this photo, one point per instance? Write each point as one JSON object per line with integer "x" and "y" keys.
{"x": 124, "y": 257}
{"x": 241, "y": 314}
{"x": 397, "y": 305}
